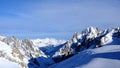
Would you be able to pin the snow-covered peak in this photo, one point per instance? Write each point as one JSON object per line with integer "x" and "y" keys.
{"x": 47, "y": 42}
{"x": 89, "y": 38}
{"x": 91, "y": 29}
{"x": 92, "y": 32}
{"x": 2, "y": 38}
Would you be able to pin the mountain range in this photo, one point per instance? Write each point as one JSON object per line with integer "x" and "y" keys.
{"x": 91, "y": 48}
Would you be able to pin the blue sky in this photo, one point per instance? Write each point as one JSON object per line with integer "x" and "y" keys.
{"x": 56, "y": 18}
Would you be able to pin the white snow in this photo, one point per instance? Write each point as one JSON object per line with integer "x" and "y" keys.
{"x": 47, "y": 42}
{"x": 2, "y": 37}
{"x": 7, "y": 64}
{"x": 4, "y": 47}
{"x": 107, "y": 38}
{"x": 104, "y": 57}
{"x": 92, "y": 32}
{"x": 102, "y": 63}
{"x": 8, "y": 51}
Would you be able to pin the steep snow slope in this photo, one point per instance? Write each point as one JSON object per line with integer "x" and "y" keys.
{"x": 104, "y": 57}
{"x": 5, "y": 48}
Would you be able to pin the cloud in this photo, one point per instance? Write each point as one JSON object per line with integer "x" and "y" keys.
{"x": 59, "y": 16}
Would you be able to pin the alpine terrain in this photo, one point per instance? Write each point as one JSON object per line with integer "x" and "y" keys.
{"x": 91, "y": 48}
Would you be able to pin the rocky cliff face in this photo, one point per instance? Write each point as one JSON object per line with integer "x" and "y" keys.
{"x": 89, "y": 38}
{"x": 20, "y": 51}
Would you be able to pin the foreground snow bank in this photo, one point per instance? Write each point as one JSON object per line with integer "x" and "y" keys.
{"x": 104, "y": 57}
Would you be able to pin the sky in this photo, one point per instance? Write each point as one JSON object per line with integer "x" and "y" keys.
{"x": 56, "y": 18}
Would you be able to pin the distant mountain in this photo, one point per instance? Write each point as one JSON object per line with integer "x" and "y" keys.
{"x": 82, "y": 48}
{"x": 47, "y": 42}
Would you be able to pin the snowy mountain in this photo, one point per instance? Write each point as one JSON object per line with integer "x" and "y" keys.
{"x": 104, "y": 57}
{"x": 47, "y": 45}
{"x": 83, "y": 45}
{"x": 89, "y": 38}
{"x": 93, "y": 47}
{"x": 20, "y": 51}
